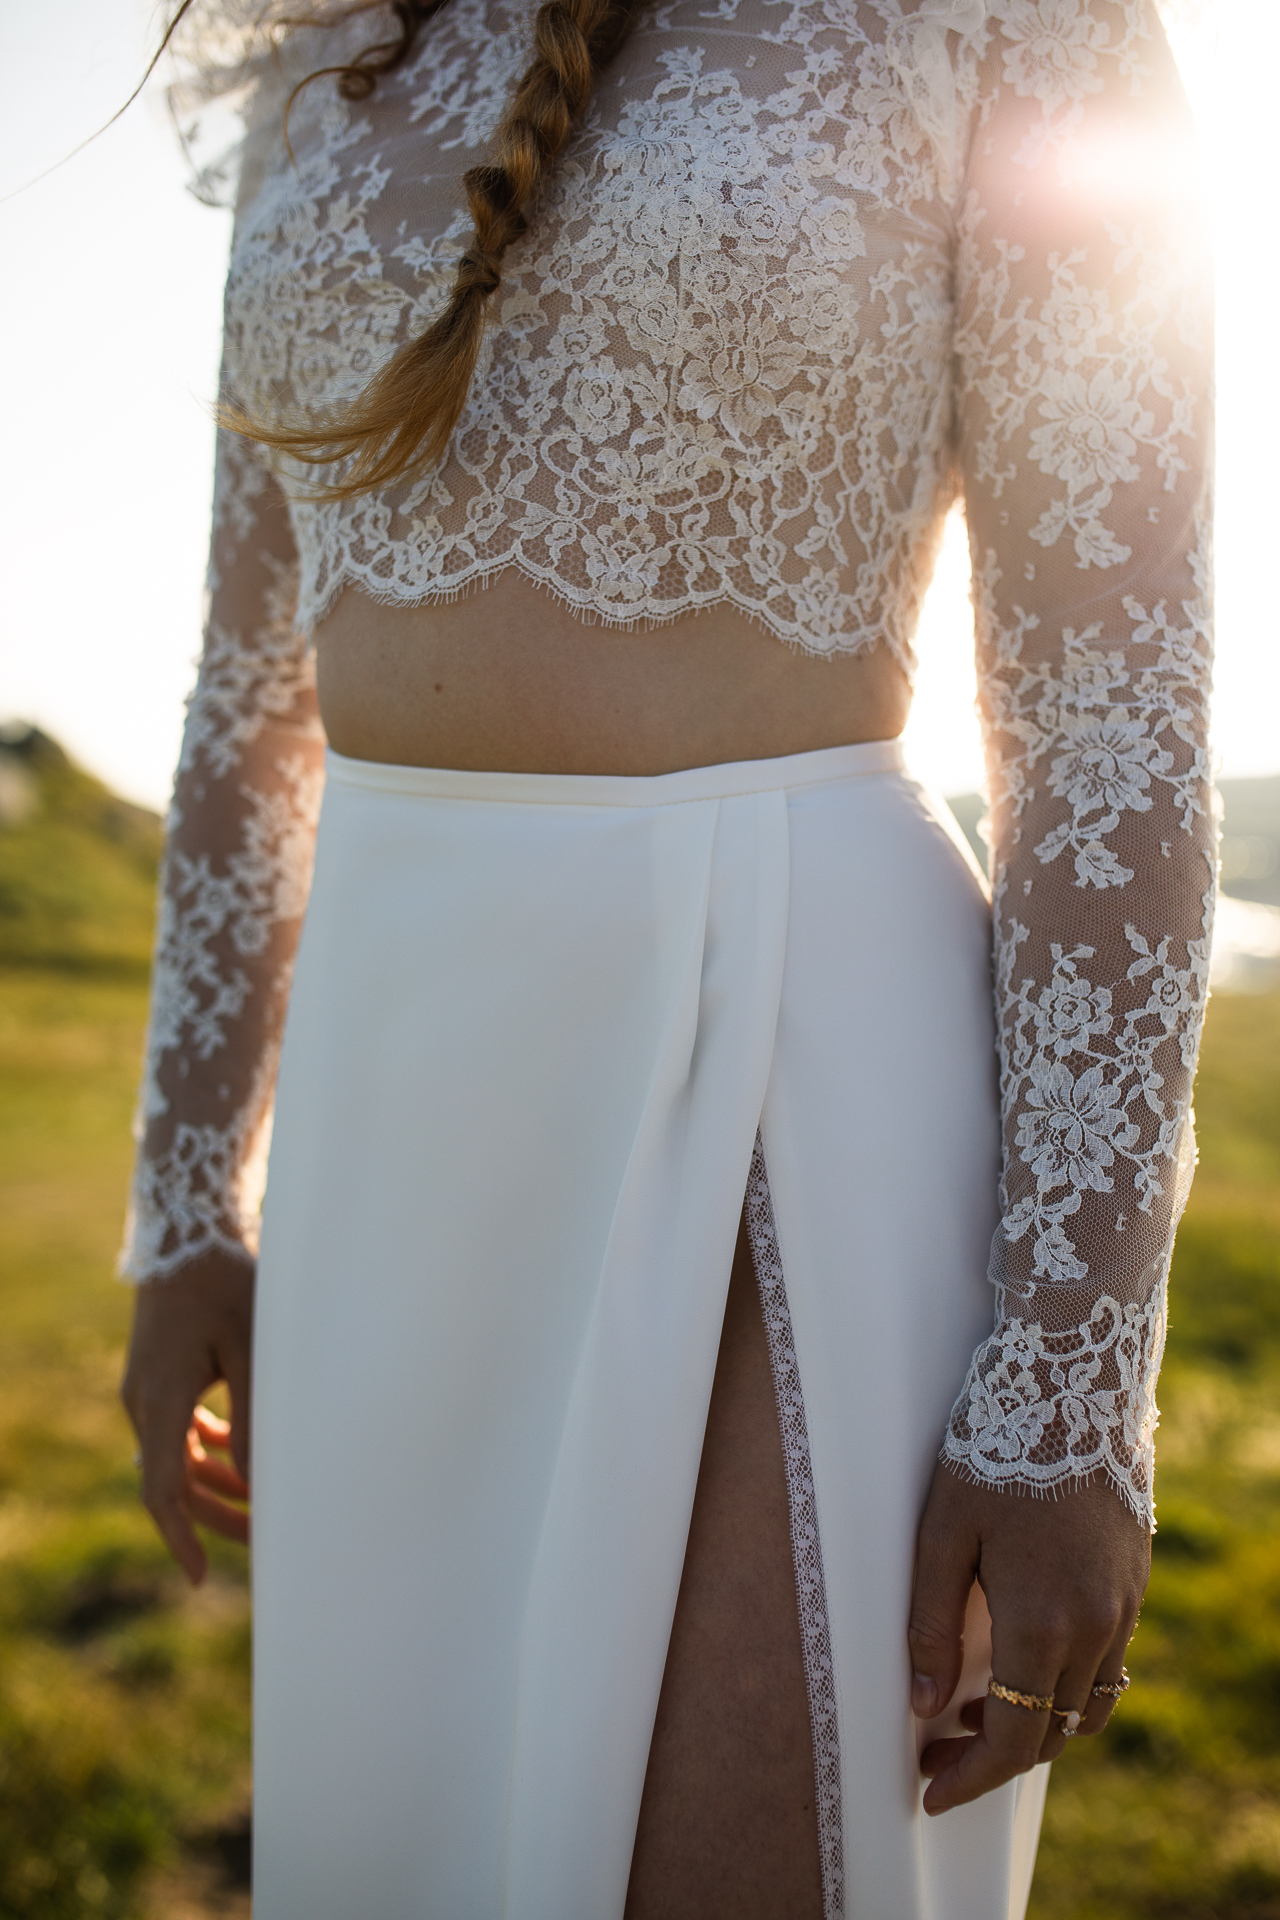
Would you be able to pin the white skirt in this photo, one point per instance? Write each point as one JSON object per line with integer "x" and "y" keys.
{"x": 545, "y": 1033}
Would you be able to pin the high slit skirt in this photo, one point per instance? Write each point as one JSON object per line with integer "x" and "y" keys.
{"x": 546, "y": 1034}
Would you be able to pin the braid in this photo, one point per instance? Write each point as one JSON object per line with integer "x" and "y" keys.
{"x": 402, "y": 422}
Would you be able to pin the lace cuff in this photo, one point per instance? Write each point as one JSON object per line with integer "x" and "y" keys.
{"x": 1041, "y": 1411}
{"x": 201, "y": 1196}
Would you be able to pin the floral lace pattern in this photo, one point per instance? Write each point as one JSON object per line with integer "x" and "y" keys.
{"x": 808, "y": 269}
{"x": 736, "y": 285}
{"x": 237, "y": 869}
{"x": 1083, "y": 355}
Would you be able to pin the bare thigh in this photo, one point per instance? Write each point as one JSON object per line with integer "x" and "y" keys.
{"x": 728, "y": 1824}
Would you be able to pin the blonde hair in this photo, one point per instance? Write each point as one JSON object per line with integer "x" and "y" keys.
{"x": 402, "y": 423}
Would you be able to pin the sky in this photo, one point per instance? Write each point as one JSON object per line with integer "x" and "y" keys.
{"x": 110, "y": 321}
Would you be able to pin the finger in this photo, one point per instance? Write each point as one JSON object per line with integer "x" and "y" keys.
{"x": 1008, "y": 1745}
{"x": 945, "y": 1569}
{"x": 238, "y": 1385}
{"x": 971, "y": 1714}
{"x": 206, "y": 1470}
{"x": 231, "y": 1522}
{"x": 213, "y": 1431}
{"x": 971, "y": 1721}
{"x": 1111, "y": 1672}
{"x": 161, "y": 1427}
{"x": 1096, "y": 1631}
{"x": 1012, "y": 1735}
{"x": 218, "y": 1475}
{"x": 165, "y": 1498}
{"x": 1033, "y": 1642}
{"x": 1073, "y": 1694}
{"x": 941, "y": 1754}
{"x": 1071, "y": 1703}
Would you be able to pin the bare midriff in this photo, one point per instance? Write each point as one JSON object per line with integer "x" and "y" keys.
{"x": 509, "y": 680}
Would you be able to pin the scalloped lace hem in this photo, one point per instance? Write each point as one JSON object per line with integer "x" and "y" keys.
{"x": 137, "y": 1268}
{"x": 643, "y": 615}
{"x": 1040, "y": 1482}
{"x": 1047, "y": 1407}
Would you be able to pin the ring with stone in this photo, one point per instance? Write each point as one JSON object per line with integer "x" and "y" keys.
{"x": 1070, "y": 1721}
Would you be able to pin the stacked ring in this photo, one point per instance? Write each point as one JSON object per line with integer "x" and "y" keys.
{"x": 1033, "y": 1702}
{"x": 1043, "y": 1702}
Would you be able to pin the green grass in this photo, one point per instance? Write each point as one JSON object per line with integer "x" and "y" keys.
{"x": 124, "y": 1712}
{"x": 124, "y": 1698}
{"x": 77, "y": 867}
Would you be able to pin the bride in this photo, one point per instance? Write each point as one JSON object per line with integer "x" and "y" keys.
{"x": 711, "y": 1275}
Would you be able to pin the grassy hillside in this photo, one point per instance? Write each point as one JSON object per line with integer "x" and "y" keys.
{"x": 123, "y": 1697}
{"x": 77, "y": 865}
{"x": 124, "y": 1709}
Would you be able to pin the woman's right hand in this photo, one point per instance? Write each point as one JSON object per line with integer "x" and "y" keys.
{"x": 188, "y": 1333}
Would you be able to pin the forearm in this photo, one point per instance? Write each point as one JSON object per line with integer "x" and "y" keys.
{"x": 233, "y": 890}
{"x": 1085, "y": 400}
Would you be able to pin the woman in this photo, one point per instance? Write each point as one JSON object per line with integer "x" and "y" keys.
{"x": 636, "y": 1176}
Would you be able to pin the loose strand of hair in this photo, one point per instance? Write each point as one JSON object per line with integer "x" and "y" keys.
{"x": 98, "y": 132}
{"x": 357, "y": 78}
{"x": 402, "y": 423}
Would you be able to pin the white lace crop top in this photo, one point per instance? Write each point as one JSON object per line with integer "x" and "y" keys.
{"x": 809, "y": 269}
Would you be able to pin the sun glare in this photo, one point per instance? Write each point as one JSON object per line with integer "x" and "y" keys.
{"x": 105, "y": 491}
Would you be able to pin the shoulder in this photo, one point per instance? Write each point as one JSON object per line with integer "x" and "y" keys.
{"x": 1081, "y": 114}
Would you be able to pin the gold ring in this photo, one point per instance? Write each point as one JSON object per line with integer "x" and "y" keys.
{"x": 1070, "y": 1721}
{"x": 1033, "y": 1702}
{"x": 1113, "y": 1692}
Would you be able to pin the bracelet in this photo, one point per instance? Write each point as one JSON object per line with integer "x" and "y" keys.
{"x": 1033, "y": 1702}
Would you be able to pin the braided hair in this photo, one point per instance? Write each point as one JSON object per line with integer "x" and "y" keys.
{"x": 401, "y": 424}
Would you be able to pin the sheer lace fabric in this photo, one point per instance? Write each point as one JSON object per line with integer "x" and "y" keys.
{"x": 810, "y": 268}
{"x": 236, "y": 873}
{"x": 1082, "y": 356}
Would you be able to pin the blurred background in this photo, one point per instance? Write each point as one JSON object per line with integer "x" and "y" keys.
{"x": 123, "y": 1698}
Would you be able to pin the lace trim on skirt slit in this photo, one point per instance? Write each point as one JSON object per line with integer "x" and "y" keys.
{"x": 806, "y": 1547}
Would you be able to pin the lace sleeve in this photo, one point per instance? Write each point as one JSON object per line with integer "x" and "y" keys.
{"x": 233, "y": 887}
{"x": 1083, "y": 372}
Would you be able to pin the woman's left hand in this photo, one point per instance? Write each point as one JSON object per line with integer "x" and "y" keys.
{"x": 1063, "y": 1580}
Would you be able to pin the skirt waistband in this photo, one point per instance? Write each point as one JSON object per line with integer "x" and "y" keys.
{"x": 721, "y": 782}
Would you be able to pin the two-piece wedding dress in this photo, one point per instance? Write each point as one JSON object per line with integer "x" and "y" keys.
{"x": 808, "y": 270}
